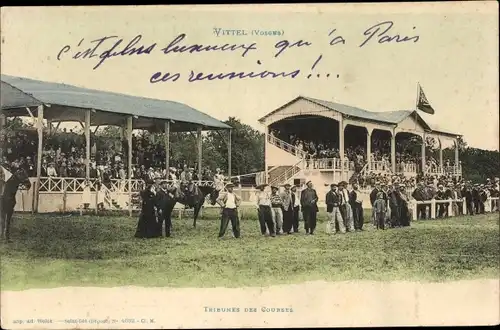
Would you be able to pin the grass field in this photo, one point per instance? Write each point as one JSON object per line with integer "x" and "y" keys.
{"x": 53, "y": 251}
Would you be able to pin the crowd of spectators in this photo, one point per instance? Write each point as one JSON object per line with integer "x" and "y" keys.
{"x": 64, "y": 156}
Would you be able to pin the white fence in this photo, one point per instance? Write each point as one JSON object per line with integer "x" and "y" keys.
{"x": 454, "y": 206}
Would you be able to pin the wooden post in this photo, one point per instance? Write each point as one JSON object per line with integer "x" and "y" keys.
{"x": 368, "y": 149}
{"x": 393, "y": 152}
{"x": 229, "y": 161}
{"x": 464, "y": 207}
{"x": 39, "y": 156}
{"x": 414, "y": 210}
{"x": 200, "y": 153}
{"x": 87, "y": 144}
{"x": 341, "y": 147}
{"x": 456, "y": 167}
{"x": 167, "y": 146}
{"x": 433, "y": 209}
{"x": 129, "y": 139}
{"x": 266, "y": 171}
{"x": 441, "y": 170}
{"x": 450, "y": 208}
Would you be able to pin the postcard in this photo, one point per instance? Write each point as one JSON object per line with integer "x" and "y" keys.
{"x": 249, "y": 166}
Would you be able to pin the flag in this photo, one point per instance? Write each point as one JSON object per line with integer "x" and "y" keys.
{"x": 423, "y": 103}
{"x": 4, "y": 174}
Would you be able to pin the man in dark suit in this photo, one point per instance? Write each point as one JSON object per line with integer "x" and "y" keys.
{"x": 296, "y": 209}
{"x": 162, "y": 199}
{"x": 419, "y": 195}
{"x": 308, "y": 202}
{"x": 467, "y": 194}
{"x": 357, "y": 207}
{"x": 286, "y": 197}
{"x": 476, "y": 198}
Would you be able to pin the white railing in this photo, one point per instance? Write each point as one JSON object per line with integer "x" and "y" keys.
{"x": 58, "y": 184}
{"x": 286, "y": 146}
{"x": 328, "y": 164}
{"x": 406, "y": 168}
{"x": 492, "y": 203}
{"x": 380, "y": 166}
{"x": 288, "y": 174}
{"x": 455, "y": 170}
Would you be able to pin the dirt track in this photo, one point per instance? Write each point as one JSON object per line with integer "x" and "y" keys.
{"x": 312, "y": 304}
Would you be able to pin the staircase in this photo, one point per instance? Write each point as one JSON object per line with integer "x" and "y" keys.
{"x": 277, "y": 171}
{"x": 285, "y": 146}
{"x": 286, "y": 175}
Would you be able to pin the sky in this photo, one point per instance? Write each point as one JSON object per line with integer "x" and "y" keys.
{"x": 455, "y": 59}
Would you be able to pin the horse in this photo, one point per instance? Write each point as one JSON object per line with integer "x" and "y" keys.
{"x": 192, "y": 199}
{"x": 8, "y": 199}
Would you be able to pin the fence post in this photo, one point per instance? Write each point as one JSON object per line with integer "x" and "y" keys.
{"x": 464, "y": 206}
{"x": 450, "y": 208}
{"x": 433, "y": 209}
{"x": 414, "y": 210}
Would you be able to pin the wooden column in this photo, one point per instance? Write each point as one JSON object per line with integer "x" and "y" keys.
{"x": 266, "y": 171}
{"x": 229, "y": 155}
{"x": 440, "y": 157}
{"x": 87, "y": 144}
{"x": 200, "y": 152}
{"x": 2, "y": 125}
{"x": 39, "y": 123}
{"x": 393, "y": 152}
{"x": 129, "y": 139}
{"x": 368, "y": 149}
{"x": 457, "y": 160}
{"x": 341, "y": 147}
{"x": 167, "y": 146}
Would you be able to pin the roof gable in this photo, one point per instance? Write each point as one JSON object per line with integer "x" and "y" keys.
{"x": 389, "y": 117}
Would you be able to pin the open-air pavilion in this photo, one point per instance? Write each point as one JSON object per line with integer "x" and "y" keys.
{"x": 56, "y": 103}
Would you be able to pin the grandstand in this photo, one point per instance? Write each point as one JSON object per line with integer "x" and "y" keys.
{"x": 55, "y": 103}
{"x": 309, "y": 139}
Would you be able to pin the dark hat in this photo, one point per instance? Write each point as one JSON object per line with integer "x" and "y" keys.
{"x": 343, "y": 183}
{"x": 287, "y": 185}
{"x": 274, "y": 187}
{"x": 308, "y": 182}
{"x": 333, "y": 185}
{"x": 230, "y": 185}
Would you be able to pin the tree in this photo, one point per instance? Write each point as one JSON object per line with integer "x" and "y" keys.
{"x": 247, "y": 146}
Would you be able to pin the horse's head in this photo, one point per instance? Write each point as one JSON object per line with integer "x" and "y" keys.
{"x": 211, "y": 191}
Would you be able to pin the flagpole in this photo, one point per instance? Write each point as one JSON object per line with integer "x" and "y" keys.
{"x": 416, "y": 100}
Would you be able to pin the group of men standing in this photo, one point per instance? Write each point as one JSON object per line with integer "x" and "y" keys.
{"x": 279, "y": 212}
{"x": 476, "y": 198}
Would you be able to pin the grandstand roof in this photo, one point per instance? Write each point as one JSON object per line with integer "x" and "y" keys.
{"x": 13, "y": 98}
{"x": 66, "y": 102}
{"x": 388, "y": 117}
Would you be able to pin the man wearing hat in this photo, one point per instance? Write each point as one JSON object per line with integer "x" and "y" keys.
{"x": 264, "y": 210}
{"x": 308, "y": 202}
{"x": 419, "y": 195}
{"x": 286, "y": 197}
{"x": 345, "y": 207}
{"x": 441, "y": 195}
{"x": 162, "y": 201}
{"x": 229, "y": 203}
{"x": 475, "y": 198}
{"x": 296, "y": 209}
{"x": 373, "y": 198}
{"x": 332, "y": 200}
{"x": 277, "y": 209}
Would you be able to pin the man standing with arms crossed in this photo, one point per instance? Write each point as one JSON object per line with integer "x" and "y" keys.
{"x": 286, "y": 197}
{"x": 308, "y": 201}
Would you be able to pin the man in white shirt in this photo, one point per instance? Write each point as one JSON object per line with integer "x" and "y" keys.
{"x": 345, "y": 207}
{"x": 229, "y": 202}
{"x": 218, "y": 180}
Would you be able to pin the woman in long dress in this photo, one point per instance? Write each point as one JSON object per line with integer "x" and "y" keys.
{"x": 147, "y": 227}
